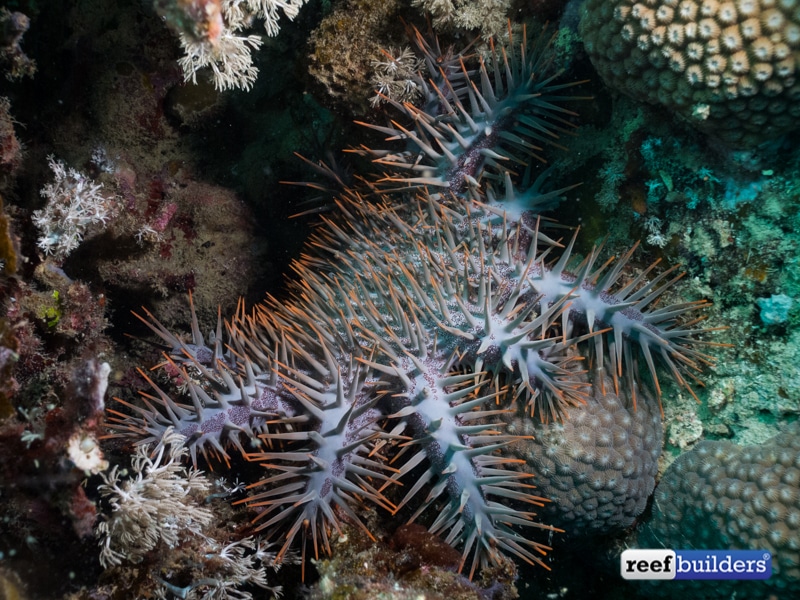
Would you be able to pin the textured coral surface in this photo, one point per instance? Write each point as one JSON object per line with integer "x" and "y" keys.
{"x": 721, "y": 495}
{"x": 598, "y": 465}
{"x": 730, "y": 68}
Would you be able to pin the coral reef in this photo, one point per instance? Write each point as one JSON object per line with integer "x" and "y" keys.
{"x": 414, "y": 563}
{"x": 74, "y": 205}
{"x": 13, "y": 60}
{"x": 344, "y": 47}
{"x": 729, "y": 68}
{"x": 159, "y": 521}
{"x": 730, "y": 218}
{"x": 489, "y": 17}
{"x": 721, "y": 495}
{"x": 46, "y": 508}
{"x": 171, "y": 232}
{"x": 179, "y": 237}
{"x": 450, "y": 293}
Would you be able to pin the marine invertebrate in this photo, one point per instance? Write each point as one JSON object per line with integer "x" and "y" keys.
{"x": 347, "y": 71}
{"x": 160, "y": 504}
{"x": 211, "y": 35}
{"x": 720, "y": 495}
{"x": 413, "y": 321}
{"x": 727, "y": 68}
{"x": 487, "y": 16}
{"x": 229, "y": 58}
{"x": 13, "y": 59}
{"x": 414, "y": 326}
{"x": 466, "y": 131}
{"x": 215, "y": 418}
{"x": 161, "y": 510}
{"x": 74, "y": 206}
{"x": 331, "y": 468}
{"x": 395, "y": 76}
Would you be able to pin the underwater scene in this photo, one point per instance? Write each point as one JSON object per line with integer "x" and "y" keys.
{"x": 399, "y": 299}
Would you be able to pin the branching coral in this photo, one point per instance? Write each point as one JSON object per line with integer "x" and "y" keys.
{"x": 74, "y": 206}
{"x": 211, "y": 35}
{"x": 160, "y": 510}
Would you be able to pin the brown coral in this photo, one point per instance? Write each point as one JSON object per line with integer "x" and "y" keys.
{"x": 727, "y": 67}
{"x": 721, "y": 495}
{"x": 598, "y": 465}
{"x": 344, "y": 46}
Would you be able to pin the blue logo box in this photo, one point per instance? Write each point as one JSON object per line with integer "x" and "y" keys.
{"x": 668, "y": 564}
{"x": 723, "y": 564}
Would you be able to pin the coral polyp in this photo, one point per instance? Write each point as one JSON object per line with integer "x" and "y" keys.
{"x": 417, "y": 325}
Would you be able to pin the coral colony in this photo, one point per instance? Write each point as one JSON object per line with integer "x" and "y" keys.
{"x": 727, "y": 67}
{"x": 430, "y": 307}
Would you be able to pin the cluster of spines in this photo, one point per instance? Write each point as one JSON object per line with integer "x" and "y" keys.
{"x": 413, "y": 325}
{"x": 469, "y": 131}
{"x": 319, "y": 470}
{"x": 454, "y": 428}
{"x": 424, "y": 310}
{"x": 224, "y": 404}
